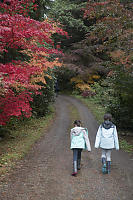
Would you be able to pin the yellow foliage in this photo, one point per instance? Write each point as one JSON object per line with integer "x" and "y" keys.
{"x": 50, "y": 77}
{"x": 82, "y": 86}
{"x": 83, "y": 82}
{"x": 40, "y": 61}
{"x": 76, "y": 80}
{"x": 38, "y": 79}
{"x": 90, "y": 81}
{"x": 96, "y": 77}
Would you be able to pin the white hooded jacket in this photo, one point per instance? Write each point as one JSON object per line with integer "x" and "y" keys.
{"x": 79, "y": 138}
{"x": 107, "y": 138}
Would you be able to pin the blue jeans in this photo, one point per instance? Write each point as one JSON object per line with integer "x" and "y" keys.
{"x": 77, "y": 154}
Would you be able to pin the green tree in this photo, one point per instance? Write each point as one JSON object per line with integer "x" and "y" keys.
{"x": 43, "y": 7}
{"x": 70, "y": 15}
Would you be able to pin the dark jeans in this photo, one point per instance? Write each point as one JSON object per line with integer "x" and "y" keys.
{"x": 77, "y": 154}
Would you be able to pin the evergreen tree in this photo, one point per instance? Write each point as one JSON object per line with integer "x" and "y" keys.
{"x": 43, "y": 7}
{"x": 70, "y": 15}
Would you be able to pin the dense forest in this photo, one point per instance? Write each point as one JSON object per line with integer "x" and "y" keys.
{"x": 86, "y": 45}
{"x": 99, "y": 53}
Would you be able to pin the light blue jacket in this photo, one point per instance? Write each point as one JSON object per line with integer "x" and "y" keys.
{"x": 107, "y": 138}
{"x": 79, "y": 138}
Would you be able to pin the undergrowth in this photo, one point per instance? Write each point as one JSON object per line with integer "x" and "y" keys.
{"x": 23, "y": 137}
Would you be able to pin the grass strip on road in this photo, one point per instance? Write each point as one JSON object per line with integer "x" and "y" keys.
{"x": 97, "y": 110}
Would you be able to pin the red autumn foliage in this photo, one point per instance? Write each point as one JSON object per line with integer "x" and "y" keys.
{"x": 112, "y": 34}
{"x": 14, "y": 105}
{"x": 18, "y": 79}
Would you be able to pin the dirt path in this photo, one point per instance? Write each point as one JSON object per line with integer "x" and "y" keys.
{"x": 45, "y": 173}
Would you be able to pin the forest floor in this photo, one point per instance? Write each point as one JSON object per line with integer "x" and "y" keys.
{"x": 45, "y": 173}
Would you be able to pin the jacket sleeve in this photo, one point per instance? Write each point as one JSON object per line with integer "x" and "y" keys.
{"x": 116, "y": 142}
{"x": 71, "y": 136}
{"x": 98, "y": 138}
{"x": 87, "y": 141}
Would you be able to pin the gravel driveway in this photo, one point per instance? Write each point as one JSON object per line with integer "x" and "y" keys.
{"x": 45, "y": 173}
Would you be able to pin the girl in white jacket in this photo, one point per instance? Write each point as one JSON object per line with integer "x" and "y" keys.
{"x": 79, "y": 141}
{"x": 107, "y": 139}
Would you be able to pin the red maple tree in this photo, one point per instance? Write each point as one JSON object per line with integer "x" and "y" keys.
{"x": 19, "y": 77}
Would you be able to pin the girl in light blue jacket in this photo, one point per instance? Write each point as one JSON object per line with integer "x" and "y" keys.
{"x": 107, "y": 139}
{"x": 79, "y": 141}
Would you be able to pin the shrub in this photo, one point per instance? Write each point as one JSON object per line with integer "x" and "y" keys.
{"x": 64, "y": 76}
{"x": 40, "y": 104}
{"x": 88, "y": 93}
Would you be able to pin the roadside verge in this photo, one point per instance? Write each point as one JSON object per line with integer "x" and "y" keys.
{"x": 23, "y": 138}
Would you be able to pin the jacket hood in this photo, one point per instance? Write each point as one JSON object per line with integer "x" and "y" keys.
{"x": 76, "y": 130}
{"x": 107, "y": 124}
